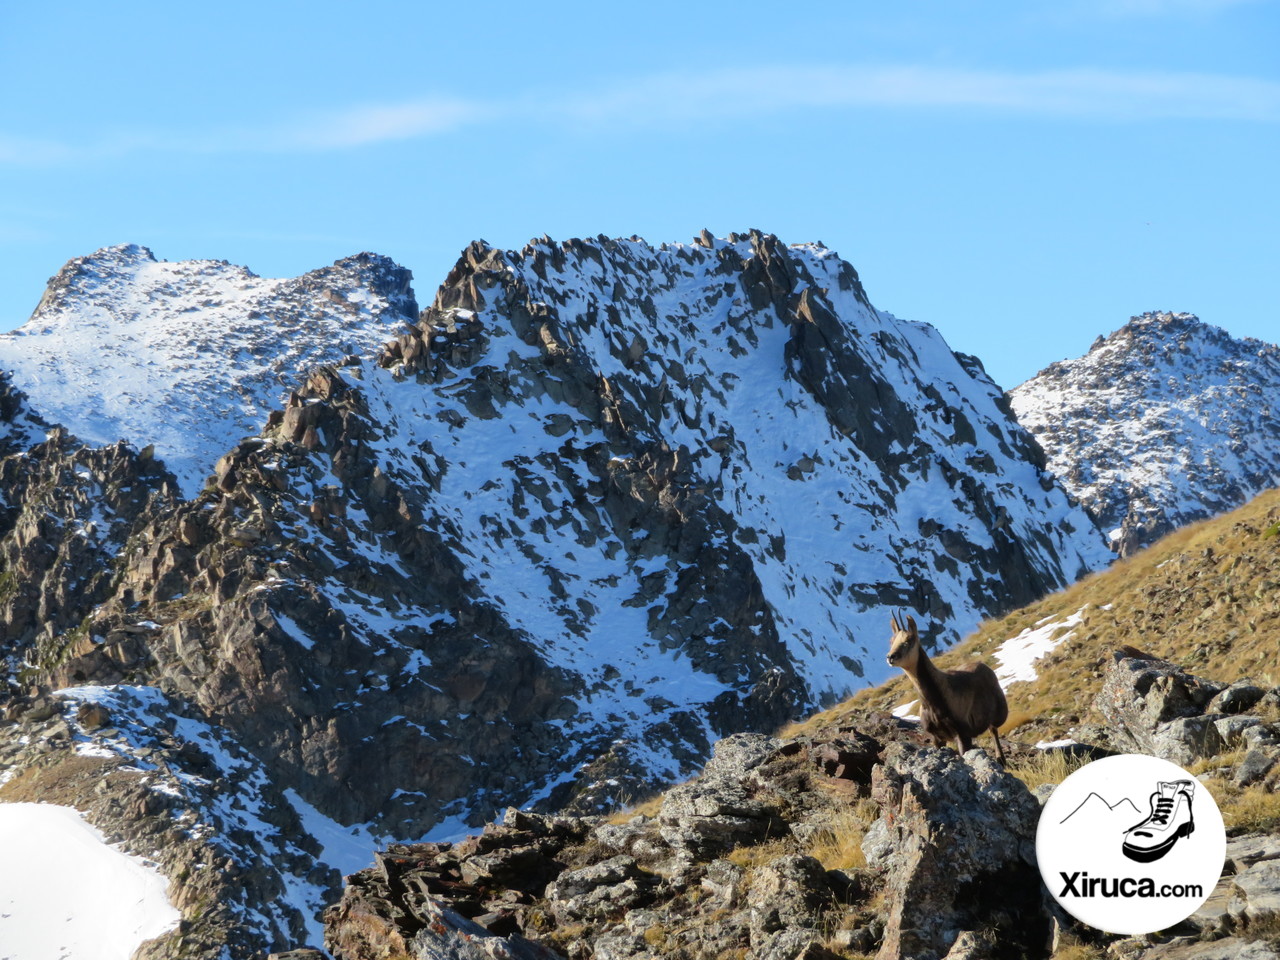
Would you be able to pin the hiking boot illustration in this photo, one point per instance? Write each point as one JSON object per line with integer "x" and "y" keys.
{"x": 1170, "y": 819}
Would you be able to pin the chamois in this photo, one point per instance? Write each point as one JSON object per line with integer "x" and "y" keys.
{"x": 954, "y": 704}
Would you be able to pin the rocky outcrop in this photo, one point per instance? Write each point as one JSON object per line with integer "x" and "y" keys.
{"x": 1164, "y": 422}
{"x": 956, "y": 840}
{"x": 21, "y": 427}
{"x": 244, "y": 869}
{"x": 1152, "y": 706}
{"x": 644, "y": 887}
{"x": 733, "y": 864}
{"x": 66, "y": 513}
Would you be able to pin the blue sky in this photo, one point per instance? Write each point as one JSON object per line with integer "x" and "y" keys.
{"x": 1022, "y": 175}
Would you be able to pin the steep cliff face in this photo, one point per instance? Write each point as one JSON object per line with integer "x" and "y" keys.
{"x": 66, "y": 511}
{"x": 20, "y": 426}
{"x": 601, "y": 505}
{"x": 191, "y": 356}
{"x": 1164, "y": 422}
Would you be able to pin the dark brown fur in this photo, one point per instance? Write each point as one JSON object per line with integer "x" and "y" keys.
{"x": 955, "y": 705}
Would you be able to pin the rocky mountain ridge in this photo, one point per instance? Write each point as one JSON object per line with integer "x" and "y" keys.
{"x": 1166, "y": 421}
{"x": 601, "y": 505}
{"x": 191, "y": 356}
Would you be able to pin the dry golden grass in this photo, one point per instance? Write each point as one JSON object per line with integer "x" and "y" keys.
{"x": 648, "y": 807}
{"x": 1207, "y": 597}
{"x": 757, "y": 855}
{"x": 1244, "y": 809}
{"x": 838, "y": 845}
{"x": 1045, "y": 767}
{"x": 1017, "y": 718}
{"x": 68, "y": 780}
{"x": 1069, "y": 948}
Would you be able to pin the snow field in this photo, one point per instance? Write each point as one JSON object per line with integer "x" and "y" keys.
{"x": 66, "y": 894}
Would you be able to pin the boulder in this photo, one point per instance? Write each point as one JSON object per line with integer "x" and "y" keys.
{"x": 718, "y": 811}
{"x": 600, "y": 889}
{"x": 789, "y": 892}
{"x": 956, "y": 844}
{"x": 1237, "y": 698}
{"x": 1255, "y": 766}
{"x": 1155, "y": 707}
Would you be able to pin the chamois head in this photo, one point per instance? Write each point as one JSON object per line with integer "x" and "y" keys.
{"x": 904, "y": 647}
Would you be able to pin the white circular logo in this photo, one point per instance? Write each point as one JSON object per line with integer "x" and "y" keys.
{"x": 1131, "y": 844}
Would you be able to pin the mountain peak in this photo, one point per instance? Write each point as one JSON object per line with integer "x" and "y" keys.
{"x": 1165, "y": 421}
{"x": 121, "y": 253}
{"x": 1163, "y": 321}
{"x": 191, "y": 355}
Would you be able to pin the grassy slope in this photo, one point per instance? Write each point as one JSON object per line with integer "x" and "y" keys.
{"x": 1206, "y": 597}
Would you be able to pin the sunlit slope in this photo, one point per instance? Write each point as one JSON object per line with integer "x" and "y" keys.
{"x": 1206, "y": 597}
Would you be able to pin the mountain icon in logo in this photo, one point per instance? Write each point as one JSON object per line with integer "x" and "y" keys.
{"x": 1096, "y": 805}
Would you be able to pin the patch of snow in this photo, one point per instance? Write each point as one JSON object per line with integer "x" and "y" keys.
{"x": 66, "y": 894}
{"x": 1017, "y": 655}
{"x": 908, "y": 711}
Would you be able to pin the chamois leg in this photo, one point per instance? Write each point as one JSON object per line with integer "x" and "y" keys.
{"x": 995, "y": 732}
{"x": 963, "y": 744}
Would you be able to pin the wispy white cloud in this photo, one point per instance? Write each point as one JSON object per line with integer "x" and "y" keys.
{"x": 28, "y": 150}
{"x": 1085, "y": 93}
{"x": 373, "y": 123}
{"x": 314, "y": 131}
{"x": 1162, "y": 8}
{"x": 717, "y": 95}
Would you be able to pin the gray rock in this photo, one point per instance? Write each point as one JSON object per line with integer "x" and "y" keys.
{"x": 721, "y": 882}
{"x": 599, "y": 890}
{"x": 1263, "y": 735}
{"x": 1231, "y": 729}
{"x": 1186, "y": 740}
{"x": 718, "y": 811}
{"x": 1213, "y": 915}
{"x": 1230, "y": 948}
{"x": 1237, "y": 698}
{"x": 790, "y": 945}
{"x": 788, "y": 892}
{"x": 950, "y": 827}
{"x": 449, "y": 936}
{"x": 1153, "y": 706}
{"x": 971, "y": 946}
{"x": 1256, "y": 892}
{"x": 607, "y": 873}
{"x": 1243, "y": 852}
{"x": 1257, "y": 763}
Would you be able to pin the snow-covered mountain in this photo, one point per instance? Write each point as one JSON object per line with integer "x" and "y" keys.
{"x": 604, "y": 503}
{"x": 191, "y": 356}
{"x": 1166, "y": 421}
{"x": 606, "y": 497}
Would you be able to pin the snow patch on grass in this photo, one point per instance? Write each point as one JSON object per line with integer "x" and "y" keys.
{"x": 1017, "y": 655}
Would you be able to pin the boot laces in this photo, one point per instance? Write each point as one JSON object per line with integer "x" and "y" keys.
{"x": 1164, "y": 807}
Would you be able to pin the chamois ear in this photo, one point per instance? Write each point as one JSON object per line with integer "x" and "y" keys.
{"x": 911, "y": 626}
{"x": 894, "y": 622}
